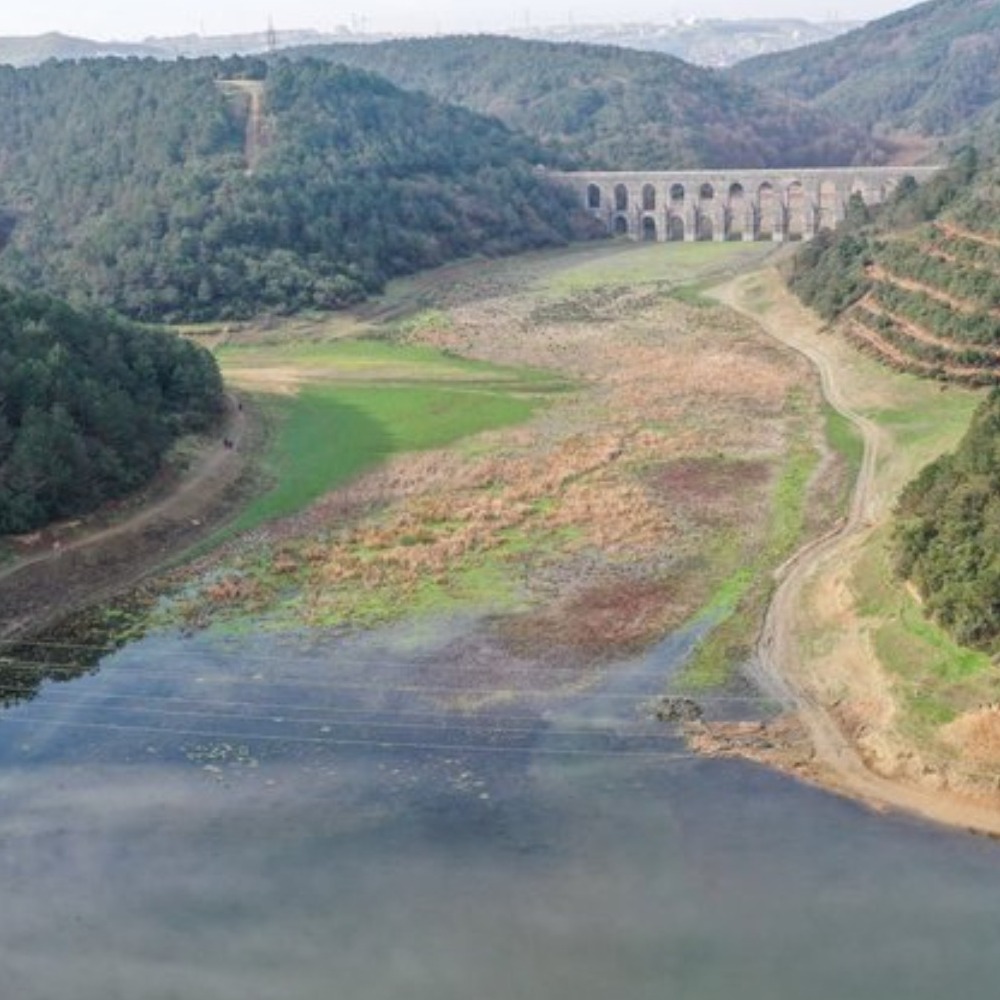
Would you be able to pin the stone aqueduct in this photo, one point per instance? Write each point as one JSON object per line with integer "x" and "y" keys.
{"x": 730, "y": 204}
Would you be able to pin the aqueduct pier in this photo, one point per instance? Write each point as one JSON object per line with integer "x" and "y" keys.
{"x": 730, "y": 204}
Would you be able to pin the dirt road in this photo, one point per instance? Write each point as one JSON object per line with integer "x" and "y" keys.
{"x": 780, "y": 667}
{"x": 63, "y": 577}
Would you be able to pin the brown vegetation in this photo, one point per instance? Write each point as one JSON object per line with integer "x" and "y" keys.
{"x": 598, "y": 512}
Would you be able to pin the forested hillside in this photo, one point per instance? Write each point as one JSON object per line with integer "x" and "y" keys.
{"x": 948, "y": 533}
{"x": 918, "y": 285}
{"x": 88, "y": 406}
{"x": 126, "y": 184}
{"x": 933, "y": 68}
{"x": 614, "y": 108}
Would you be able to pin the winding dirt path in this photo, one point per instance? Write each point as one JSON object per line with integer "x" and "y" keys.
{"x": 98, "y": 563}
{"x": 780, "y": 669}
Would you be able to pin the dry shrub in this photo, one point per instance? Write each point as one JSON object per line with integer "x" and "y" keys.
{"x": 708, "y": 489}
{"x": 976, "y": 735}
{"x": 233, "y": 590}
{"x": 285, "y": 564}
{"x": 614, "y": 515}
{"x": 604, "y": 619}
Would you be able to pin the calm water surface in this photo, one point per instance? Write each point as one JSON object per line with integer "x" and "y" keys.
{"x": 416, "y": 816}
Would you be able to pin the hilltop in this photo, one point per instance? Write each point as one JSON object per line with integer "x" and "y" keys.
{"x": 933, "y": 69}
{"x": 608, "y": 107}
{"x": 182, "y": 212}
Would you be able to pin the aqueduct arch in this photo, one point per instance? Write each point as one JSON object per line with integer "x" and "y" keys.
{"x": 720, "y": 205}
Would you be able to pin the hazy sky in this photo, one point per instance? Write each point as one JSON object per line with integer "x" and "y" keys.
{"x": 134, "y": 19}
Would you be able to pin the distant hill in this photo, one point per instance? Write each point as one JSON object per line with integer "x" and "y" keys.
{"x": 609, "y": 107}
{"x": 933, "y": 69}
{"x": 35, "y": 49}
{"x": 704, "y": 42}
{"x": 138, "y": 185}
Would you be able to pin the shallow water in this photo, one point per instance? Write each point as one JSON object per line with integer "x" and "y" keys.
{"x": 415, "y": 815}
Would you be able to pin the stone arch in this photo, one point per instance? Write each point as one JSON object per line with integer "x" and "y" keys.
{"x": 796, "y": 211}
{"x": 860, "y": 188}
{"x": 593, "y": 196}
{"x": 767, "y": 212}
{"x": 621, "y": 198}
{"x": 649, "y": 229}
{"x": 675, "y": 229}
{"x": 677, "y": 193}
{"x": 620, "y": 225}
{"x": 706, "y": 226}
{"x": 648, "y": 198}
{"x": 828, "y": 206}
{"x": 706, "y": 192}
{"x": 736, "y": 212}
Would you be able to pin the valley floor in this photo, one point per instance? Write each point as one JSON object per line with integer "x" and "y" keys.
{"x": 583, "y": 451}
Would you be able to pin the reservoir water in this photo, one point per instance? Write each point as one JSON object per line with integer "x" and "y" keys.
{"x": 416, "y": 815}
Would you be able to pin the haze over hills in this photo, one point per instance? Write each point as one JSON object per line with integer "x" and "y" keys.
{"x": 608, "y": 107}
{"x": 709, "y": 42}
{"x": 934, "y": 69}
{"x": 704, "y": 42}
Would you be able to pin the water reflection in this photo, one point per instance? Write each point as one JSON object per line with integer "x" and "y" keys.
{"x": 415, "y": 815}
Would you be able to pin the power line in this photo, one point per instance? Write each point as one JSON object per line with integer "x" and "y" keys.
{"x": 46, "y": 670}
{"x": 244, "y": 738}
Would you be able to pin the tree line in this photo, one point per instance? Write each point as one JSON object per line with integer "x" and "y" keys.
{"x": 947, "y": 536}
{"x": 89, "y": 404}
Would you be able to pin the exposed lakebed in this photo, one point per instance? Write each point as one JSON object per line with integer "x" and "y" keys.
{"x": 410, "y": 814}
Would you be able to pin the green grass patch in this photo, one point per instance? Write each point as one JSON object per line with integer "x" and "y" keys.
{"x": 928, "y": 421}
{"x": 481, "y": 582}
{"x": 692, "y": 295}
{"x": 936, "y": 677}
{"x": 369, "y": 359}
{"x": 845, "y": 439}
{"x": 329, "y": 434}
{"x": 639, "y": 264}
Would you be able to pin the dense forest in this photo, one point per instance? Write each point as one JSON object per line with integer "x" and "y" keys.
{"x": 933, "y": 68}
{"x": 88, "y": 406}
{"x": 126, "y": 184}
{"x": 614, "y": 108}
{"x": 948, "y": 533}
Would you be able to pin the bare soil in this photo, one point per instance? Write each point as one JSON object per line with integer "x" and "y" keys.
{"x": 77, "y": 564}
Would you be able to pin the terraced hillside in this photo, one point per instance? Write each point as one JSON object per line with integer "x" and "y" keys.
{"x": 918, "y": 286}
{"x": 934, "y": 303}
